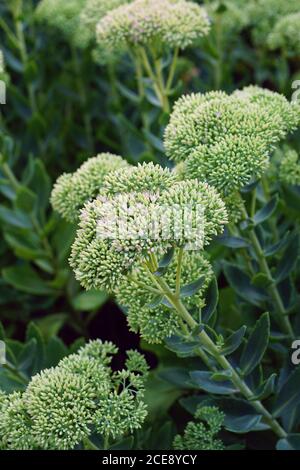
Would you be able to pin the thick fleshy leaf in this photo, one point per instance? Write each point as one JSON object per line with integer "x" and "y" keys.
{"x": 256, "y": 345}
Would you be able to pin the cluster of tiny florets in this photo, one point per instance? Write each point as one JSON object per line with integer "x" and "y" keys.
{"x": 61, "y": 405}
{"x": 286, "y": 34}
{"x": 163, "y": 24}
{"x": 72, "y": 190}
{"x": 264, "y": 14}
{"x": 118, "y": 231}
{"x": 158, "y": 322}
{"x": 289, "y": 169}
{"x": 201, "y": 434}
{"x": 62, "y": 15}
{"x": 226, "y": 139}
{"x": 92, "y": 12}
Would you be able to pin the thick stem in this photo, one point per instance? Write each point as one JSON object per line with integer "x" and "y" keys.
{"x": 210, "y": 346}
{"x": 157, "y": 79}
{"x": 281, "y": 315}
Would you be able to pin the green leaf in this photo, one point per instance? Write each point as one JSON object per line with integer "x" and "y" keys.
{"x": 51, "y": 324}
{"x": 256, "y": 345}
{"x": 40, "y": 183}
{"x": 212, "y": 299}
{"x": 233, "y": 242}
{"x": 89, "y": 300}
{"x": 27, "y": 357}
{"x": 178, "y": 376}
{"x": 25, "y": 199}
{"x": 164, "y": 262}
{"x": 265, "y": 213}
{"x": 193, "y": 288}
{"x": 15, "y": 218}
{"x": 261, "y": 280}
{"x": 289, "y": 394}
{"x": 24, "y": 278}
{"x": 33, "y": 332}
{"x": 291, "y": 442}
{"x": 125, "y": 444}
{"x": 266, "y": 389}
{"x": 204, "y": 381}
{"x": 182, "y": 348}
{"x": 55, "y": 351}
{"x": 233, "y": 341}
{"x": 156, "y": 143}
{"x": 272, "y": 250}
{"x": 241, "y": 284}
{"x": 288, "y": 260}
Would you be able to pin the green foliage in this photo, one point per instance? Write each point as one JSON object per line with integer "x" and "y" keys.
{"x": 137, "y": 108}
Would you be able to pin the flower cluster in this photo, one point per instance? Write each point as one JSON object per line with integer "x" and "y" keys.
{"x": 61, "y": 14}
{"x": 154, "y": 320}
{"x": 72, "y": 190}
{"x": 226, "y": 139}
{"x": 286, "y": 34}
{"x": 264, "y": 14}
{"x": 92, "y": 12}
{"x": 162, "y": 24}
{"x": 289, "y": 170}
{"x": 201, "y": 435}
{"x": 143, "y": 221}
{"x": 61, "y": 405}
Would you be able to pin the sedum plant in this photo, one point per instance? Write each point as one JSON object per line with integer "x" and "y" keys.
{"x": 166, "y": 285}
{"x": 63, "y": 407}
{"x": 285, "y": 34}
{"x": 147, "y": 31}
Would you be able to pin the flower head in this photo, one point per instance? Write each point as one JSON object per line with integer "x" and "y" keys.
{"x": 289, "y": 169}
{"x": 202, "y": 434}
{"x": 92, "y": 12}
{"x": 15, "y": 423}
{"x": 285, "y": 34}
{"x": 165, "y": 24}
{"x": 118, "y": 231}
{"x": 226, "y": 140}
{"x": 61, "y": 14}
{"x": 264, "y": 14}
{"x": 72, "y": 190}
{"x": 61, "y": 406}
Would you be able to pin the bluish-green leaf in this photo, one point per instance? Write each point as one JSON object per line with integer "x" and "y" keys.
{"x": 289, "y": 394}
{"x": 256, "y": 345}
{"x": 204, "y": 381}
{"x": 233, "y": 341}
{"x": 265, "y": 213}
{"x": 241, "y": 284}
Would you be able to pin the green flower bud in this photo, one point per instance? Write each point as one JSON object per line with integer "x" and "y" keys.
{"x": 71, "y": 191}
{"x": 289, "y": 170}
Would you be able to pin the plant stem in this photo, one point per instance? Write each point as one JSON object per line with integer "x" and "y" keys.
{"x": 178, "y": 272}
{"x": 281, "y": 316}
{"x": 212, "y": 349}
{"x": 157, "y": 79}
{"x": 106, "y": 442}
{"x": 172, "y": 71}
